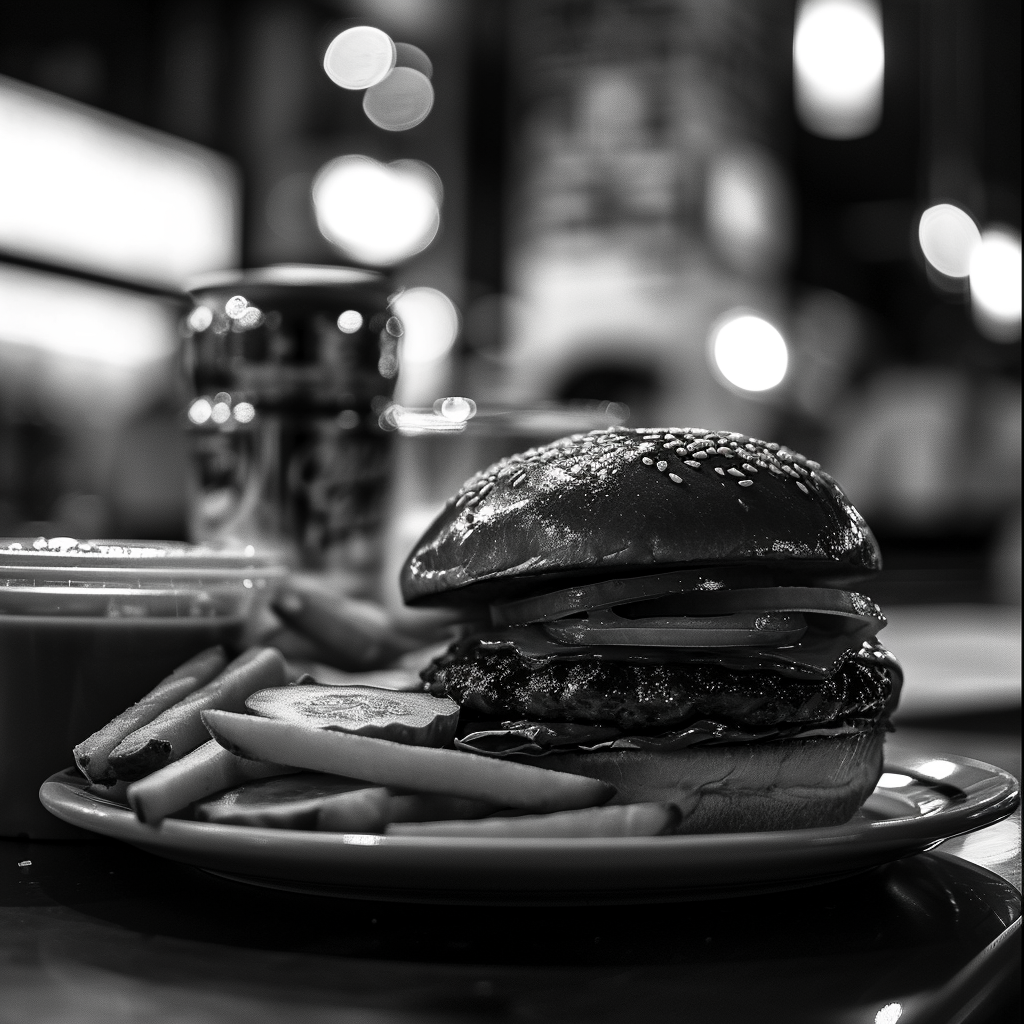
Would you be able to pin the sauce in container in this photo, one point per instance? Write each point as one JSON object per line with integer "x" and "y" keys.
{"x": 87, "y": 628}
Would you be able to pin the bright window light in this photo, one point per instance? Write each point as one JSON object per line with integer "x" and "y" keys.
{"x": 995, "y": 276}
{"x": 948, "y": 237}
{"x": 376, "y": 213}
{"x": 839, "y": 66}
{"x": 86, "y": 189}
{"x": 431, "y": 324}
{"x": 749, "y": 353}
{"x": 83, "y": 320}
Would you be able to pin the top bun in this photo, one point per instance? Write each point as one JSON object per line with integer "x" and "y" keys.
{"x": 618, "y": 502}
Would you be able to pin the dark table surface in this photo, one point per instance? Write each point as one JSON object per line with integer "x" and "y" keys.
{"x": 97, "y": 931}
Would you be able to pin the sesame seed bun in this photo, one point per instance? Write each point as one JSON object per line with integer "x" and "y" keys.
{"x": 619, "y": 502}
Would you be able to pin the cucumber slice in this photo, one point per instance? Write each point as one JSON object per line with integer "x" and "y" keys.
{"x": 414, "y": 718}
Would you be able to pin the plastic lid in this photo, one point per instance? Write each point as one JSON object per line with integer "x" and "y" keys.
{"x": 67, "y": 552}
{"x": 110, "y": 579}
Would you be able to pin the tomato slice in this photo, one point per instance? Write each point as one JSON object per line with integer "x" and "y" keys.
{"x": 743, "y": 629}
{"x": 609, "y": 593}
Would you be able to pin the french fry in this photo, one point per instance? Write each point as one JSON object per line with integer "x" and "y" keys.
{"x": 361, "y": 810}
{"x": 591, "y": 823}
{"x": 288, "y": 802}
{"x": 179, "y": 729}
{"x": 92, "y": 755}
{"x": 401, "y": 766}
{"x": 351, "y": 634}
{"x": 202, "y": 772}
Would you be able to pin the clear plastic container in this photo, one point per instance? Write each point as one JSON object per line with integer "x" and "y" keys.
{"x": 87, "y": 628}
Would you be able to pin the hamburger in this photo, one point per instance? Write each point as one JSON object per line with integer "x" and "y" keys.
{"x": 671, "y": 611}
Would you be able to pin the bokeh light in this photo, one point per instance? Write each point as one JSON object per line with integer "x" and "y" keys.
{"x": 236, "y": 306}
{"x": 456, "y": 409}
{"x": 200, "y": 410}
{"x": 749, "y": 353}
{"x": 747, "y": 211}
{"x": 244, "y": 412}
{"x": 360, "y": 57}
{"x": 839, "y": 66}
{"x": 401, "y": 101}
{"x": 431, "y": 324}
{"x": 350, "y": 321}
{"x": 375, "y": 213}
{"x": 200, "y": 318}
{"x": 948, "y": 237}
{"x": 410, "y": 56}
{"x": 995, "y": 276}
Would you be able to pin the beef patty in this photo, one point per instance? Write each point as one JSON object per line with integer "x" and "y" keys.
{"x": 499, "y": 684}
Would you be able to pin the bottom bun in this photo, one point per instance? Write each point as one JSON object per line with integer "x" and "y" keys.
{"x": 744, "y": 787}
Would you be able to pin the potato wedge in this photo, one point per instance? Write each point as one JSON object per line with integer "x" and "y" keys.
{"x": 420, "y": 769}
{"x": 591, "y": 823}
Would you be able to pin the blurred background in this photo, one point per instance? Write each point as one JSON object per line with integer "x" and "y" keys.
{"x": 798, "y": 220}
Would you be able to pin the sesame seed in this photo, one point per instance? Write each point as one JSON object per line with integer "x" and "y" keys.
{"x": 719, "y": 471}
{"x": 675, "y": 478}
{"x": 647, "y": 461}
{"x": 750, "y": 448}
{"x": 662, "y": 466}
{"x": 726, "y": 452}
{"x": 700, "y": 455}
{"x": 775, "y": 469}
{"x": 761, "y": 463}
{"x": 745, "y": 483}
{"x": 802, "y": 488}
{"x": 749, "y": 468}
{"x": 680, "y": 452}
{"x": 772, "y": 446}
{"x": 813, "y": 464}
{"x": 692, "y": 464}
{"x": 734, "y": 472}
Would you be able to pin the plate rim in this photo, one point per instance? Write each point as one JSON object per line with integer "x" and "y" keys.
{"x": 67, "y": 798}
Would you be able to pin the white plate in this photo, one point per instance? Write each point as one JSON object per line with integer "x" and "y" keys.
{"x": 918, "y": 804}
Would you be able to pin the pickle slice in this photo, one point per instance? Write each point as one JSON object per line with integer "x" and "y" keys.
{"x": 413, "y": 718}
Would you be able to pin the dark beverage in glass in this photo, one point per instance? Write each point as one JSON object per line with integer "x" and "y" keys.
{"x": 291, "y": 368}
